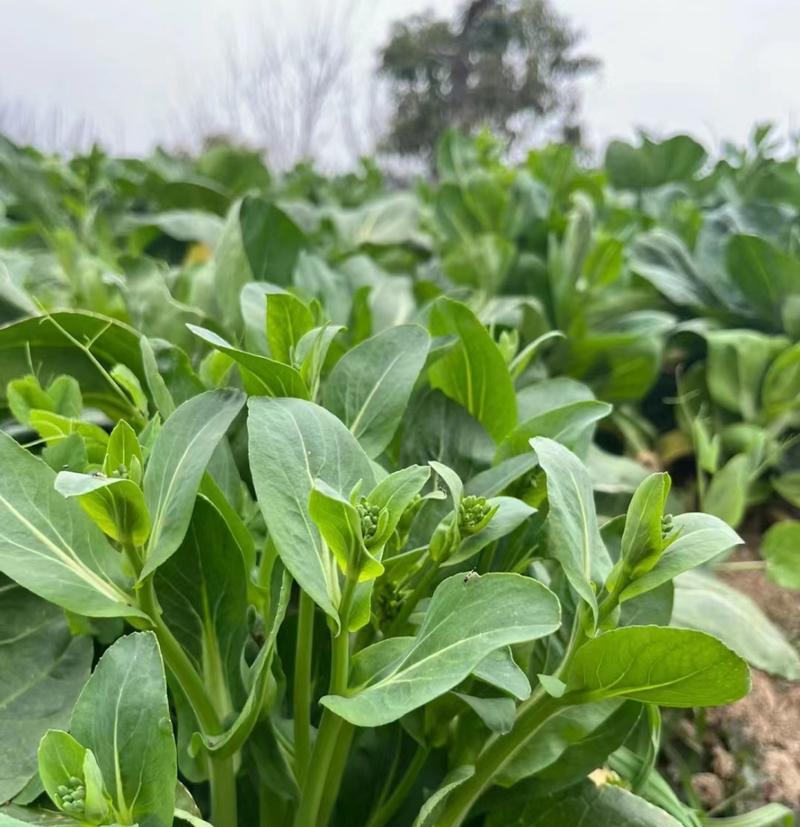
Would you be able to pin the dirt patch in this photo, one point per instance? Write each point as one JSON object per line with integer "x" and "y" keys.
{"x": 763, "y": 729}
{"x": 781, "y": 606}
{"x": 769, "y": 720}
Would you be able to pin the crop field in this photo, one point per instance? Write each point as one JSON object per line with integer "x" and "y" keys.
{"x": 330, "y": 501}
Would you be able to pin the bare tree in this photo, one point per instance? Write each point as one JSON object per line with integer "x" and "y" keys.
{"x": 282, "y": 90}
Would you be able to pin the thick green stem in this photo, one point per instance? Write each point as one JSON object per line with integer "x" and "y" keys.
{"x": 222, "y": 772}
{"x": 331, "y": 725}
{"x": 335, "y": 773}
{"x": 387, "y": 810}
{"x": 533, "y": 713}
{"x": 301, "y": 710}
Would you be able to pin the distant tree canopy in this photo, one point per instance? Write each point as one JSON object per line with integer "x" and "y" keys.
{"x": 507, "y": 64}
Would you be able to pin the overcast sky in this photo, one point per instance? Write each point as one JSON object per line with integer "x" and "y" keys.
{"x": 712, "y": 67}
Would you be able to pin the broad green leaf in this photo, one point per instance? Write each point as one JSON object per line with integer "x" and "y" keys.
{"x": 573, "y": 533}
{"x": 391, "y": 219}
{"x": 202, "y": 590}
{"x": 49, "y": 546}
{"x": 726, "y": 495}
{"x": 572, "y": 742}
{"x": 473, "y": 372}
{"x": 642, "y": 540}
{"x": 259, "y": 241}
{"x": 737, "y": 363}
{"x": 780, "y": 394}
{"x": 703, "y": 602}
{"x": 116, "y": 505}
{"x": 653, "y": 163}
{"x": 664, "y": 261}
{"x": 369, "y": 387}
{"x": 292, "y": 444}
{"x": 495, "y": 480}
{"x": 764, "y": 274}
{"x": 122, "y": 715}
{"x": 584, "y": 804}
{"x": 698, "y": 538}
{"x": 177, "y": 463}
{"x": 483, "y": 261}
{"x": 288, "y": 320}
{"x": 568, "y": 425}
{"x": 653, "y": 664}
{"x": 262, "y": 376}
{"x": 432, "y": 807}
{"x": 499, "y": 669}
{"x": 44, "y": 669}
{"x": 461, "y": 627}
{"x": 497, "y": 714}
{"x": 780, "y": 547}
{"x": 49, "y": 342}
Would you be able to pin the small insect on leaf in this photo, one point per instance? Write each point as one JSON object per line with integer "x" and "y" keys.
{"x": 471, "y": 575}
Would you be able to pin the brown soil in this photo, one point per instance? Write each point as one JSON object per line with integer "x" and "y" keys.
{"x": 765, "y": 724}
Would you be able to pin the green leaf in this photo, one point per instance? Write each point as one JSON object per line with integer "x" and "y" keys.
{"x": 292, "y": 444}
{"x": 461, "y": 627}
{"x": 340, "y": 526}
{"x": 695, "y": 539}
{"x": 62, "y": 762}
{"x": 473, "y": 372}
{"x": 49, "y": 546}
{"x": 652, "y": 664}
{"x": 567, "y": 424}
{"x": 44, "y": 669}
{"x": 664, "y": 261}
{"x": 259, "y": 241}
{"x": 288, "y": 320}
{"x": 54, "y": 428}
{"x": 653, "y": 163}
{"x": 497, "y": 714}
{"x": 124, "y": 453}
{"x": 726, "y": 495}
{"x": 499, "y": 669}
{"x": 181, "y": 452}
{"x": 584, "y": 804}
{"x": 431, "y": 808}
{"x": 116, "y": 505}
{"x": 780, "y": 547}
{"x": 202, "y": 590}
{"x": 703, "y": 602}
{"x": 642, "y": 540}
{"x": 369, "y": 387}
{"x": 509, "y": 514}
{"x": 764, "y": 274}
{"x": 737, "y": 363}
{"x": 49, "y": 342}
{"x": 572, "y": 743}
{"x": 574, "y": 536}
{"x": 780, "y": 394}
{"x": 262, "y": 376}
{"x": 122, "y": 715}
{"x": 234, "y": 738}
